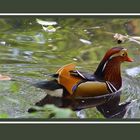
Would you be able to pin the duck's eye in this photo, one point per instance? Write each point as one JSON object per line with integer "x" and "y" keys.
{"x": 123, "y": 54}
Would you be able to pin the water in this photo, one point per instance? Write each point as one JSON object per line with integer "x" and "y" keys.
{"x": 33, "y": 47}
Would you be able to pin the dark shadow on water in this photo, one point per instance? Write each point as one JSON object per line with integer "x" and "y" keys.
{"x": 112, "y": 107}
{"x": 74, "y": 104}
{"x": 108, "y": 106}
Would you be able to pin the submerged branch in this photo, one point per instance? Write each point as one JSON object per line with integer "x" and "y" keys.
{"x": 122, "y": 38}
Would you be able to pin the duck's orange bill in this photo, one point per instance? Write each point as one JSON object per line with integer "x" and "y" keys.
{"x": 129, "y": 59}
{"x": 65, "y": 79}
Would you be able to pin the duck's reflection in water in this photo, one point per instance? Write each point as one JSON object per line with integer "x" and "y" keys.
{"x": 109, "y": 105}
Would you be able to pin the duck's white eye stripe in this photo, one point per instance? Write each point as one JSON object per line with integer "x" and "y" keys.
{"x": 124, "y": 49}
{"x": 115, "y": 55}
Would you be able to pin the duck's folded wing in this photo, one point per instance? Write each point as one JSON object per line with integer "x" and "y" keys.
{"x": 93, "y": 88}
{"x": 90, "y": 89}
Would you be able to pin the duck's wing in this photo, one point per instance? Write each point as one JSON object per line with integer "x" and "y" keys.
{"x": 93, "y": 88}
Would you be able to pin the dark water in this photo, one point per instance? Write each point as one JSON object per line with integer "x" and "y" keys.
{"x": 30, "y": 51}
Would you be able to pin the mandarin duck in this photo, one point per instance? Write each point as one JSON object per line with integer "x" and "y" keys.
{"x": 70, "y": 83}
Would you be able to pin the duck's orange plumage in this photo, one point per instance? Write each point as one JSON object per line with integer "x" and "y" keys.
{"x": 66, "y": 79}
{"x": 106, "y": 79}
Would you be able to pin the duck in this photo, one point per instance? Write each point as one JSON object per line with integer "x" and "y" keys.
{"x": 71, "y": 88}
{"x": 68, "y": 82}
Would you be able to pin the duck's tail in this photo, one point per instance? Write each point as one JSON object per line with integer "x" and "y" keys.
{"x": 49, "y": 85}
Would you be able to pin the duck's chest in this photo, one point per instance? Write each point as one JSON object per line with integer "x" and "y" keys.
{"x": 113, "y": 75}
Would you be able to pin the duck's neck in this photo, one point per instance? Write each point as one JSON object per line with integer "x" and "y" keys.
{"x": 112, "y": 74}
{"x": 110, "y": 71}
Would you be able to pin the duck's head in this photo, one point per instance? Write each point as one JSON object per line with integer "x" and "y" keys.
{"x": 109, "y": 67}
{"x": 120, "y": 54}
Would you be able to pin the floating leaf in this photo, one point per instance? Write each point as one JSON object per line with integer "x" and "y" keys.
{"x": 4, "y": 77}
{"x": 3, "y": 43}
{"x": 46, "y": 23}
{"x": 85, "y": 41}
{"x": 50, "y": 29}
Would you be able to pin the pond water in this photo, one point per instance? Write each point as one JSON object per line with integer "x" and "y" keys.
{"x": 31, "y": 48}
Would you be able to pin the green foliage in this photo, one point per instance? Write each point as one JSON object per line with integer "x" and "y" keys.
{"x": 4, "y": 115}
{"x": 15, "y": 87}
{"x": 51, "y": 111}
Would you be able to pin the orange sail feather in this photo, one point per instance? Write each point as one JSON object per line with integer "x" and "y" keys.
{"x": 66, "y": 79}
